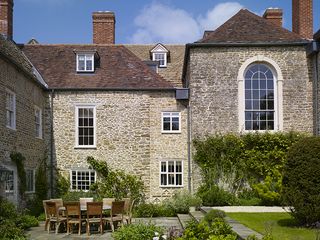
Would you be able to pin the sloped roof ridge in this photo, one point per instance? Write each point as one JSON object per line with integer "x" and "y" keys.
{"x": 246, "y": 15}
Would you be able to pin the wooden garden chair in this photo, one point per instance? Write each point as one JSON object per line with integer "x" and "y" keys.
{"x": 47, "y": 220}
{"x": 54, "y": 216}
{"x": 116, "y": 214}
{"x": 128, "y": 207}
{"x": 73, "y": 213}
{"x": 94, "y": 215}
{"x": 83, "y": 202}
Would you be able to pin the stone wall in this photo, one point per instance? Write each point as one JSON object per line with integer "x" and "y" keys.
{"x": 317, "y": 96}
{"x": 212, "y": 77}
{"x": 128, "y": 132}
{"x": 23, "y": 139}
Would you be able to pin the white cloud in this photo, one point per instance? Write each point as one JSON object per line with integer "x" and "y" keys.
{"x": 218, "y": 15}
{"x": 49, "y": 2}
{"x": 162, "y": 23}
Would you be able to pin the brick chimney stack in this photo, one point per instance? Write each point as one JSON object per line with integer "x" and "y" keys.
{"x": 6, "y": 18}
{"x": 274, "y": 15}
{"x": 302, "y": 18}
{"x": 103, "y": 27}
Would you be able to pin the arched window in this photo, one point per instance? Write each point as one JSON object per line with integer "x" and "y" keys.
{"x": 260, "y": 107}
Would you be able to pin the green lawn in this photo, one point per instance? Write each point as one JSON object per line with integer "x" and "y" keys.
{"x": 281, "y": 225}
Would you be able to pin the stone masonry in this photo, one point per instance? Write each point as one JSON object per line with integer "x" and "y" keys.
{"x": 128, "y": 132}
{"x": 212, "y": 77}
{"x": 23, "y": 139}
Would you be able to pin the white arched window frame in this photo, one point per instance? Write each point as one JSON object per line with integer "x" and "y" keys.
{"x": 278, "y": 91}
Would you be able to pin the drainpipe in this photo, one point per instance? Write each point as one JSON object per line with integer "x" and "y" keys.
{"x": 51, "y": 144}
{"x": 316, "y": 78}
{"x": 189, "y": 146}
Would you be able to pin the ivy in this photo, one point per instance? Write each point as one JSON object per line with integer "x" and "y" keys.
{"x": 19, "y": 159}
{"x": 115, "y": 183}
{"x": 238, "y": 160}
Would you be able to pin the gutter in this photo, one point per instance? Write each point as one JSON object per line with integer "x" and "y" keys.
{"x": 111, "y": 89}
{"x": 189, "y": 146}
{"x": 51, "y": 144}
{"x": 227, "y": 44}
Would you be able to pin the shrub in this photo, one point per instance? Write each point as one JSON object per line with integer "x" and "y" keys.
{"x": 234, "y": 161}
{"x": 216, "y": 196}
{"x": 181, "y": 201}
{"x": 214, "y": 214}
{"x": 154, "y": 210}
{"x": 216, "y": 230}
{"x": 13, "y": 223}
{"x": 26, "y": 222}
{"x": 248, "y": 198}
{"x": 301, "y": 182}
{"x": 138, "y": 232}
{"x": 116, "y": 183}
{"x": 9, "y": 230}
{"x": 145, "y": 210}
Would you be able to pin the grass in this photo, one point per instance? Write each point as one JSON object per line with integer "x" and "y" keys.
{"x": 281, "y": 225}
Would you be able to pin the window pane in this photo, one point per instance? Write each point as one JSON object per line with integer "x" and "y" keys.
{"x": 163, "y": 179}
{"x": 175, "y": 126}
{"x": 166, "y": 126}
{"x": 170, "y": 166}
{"x": 179, "y": 179}
{"x": 178, "y": 166}
{"x": 163, "y": 167}
{"x": 171, "y": 179}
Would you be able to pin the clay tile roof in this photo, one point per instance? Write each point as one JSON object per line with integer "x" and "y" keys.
{"x": 173, "y": 71}
{"x": 117, "y": 68}
{"x": 247, "y": 27}
{"x": 13, "y": 54}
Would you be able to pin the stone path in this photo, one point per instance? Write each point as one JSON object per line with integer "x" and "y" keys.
{"x": 38, "y": 233}
{"x": 248, "y": 209}
{"x": 243, "y": 231}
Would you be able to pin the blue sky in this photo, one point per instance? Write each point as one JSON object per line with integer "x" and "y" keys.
{"x": 137, "y": 21}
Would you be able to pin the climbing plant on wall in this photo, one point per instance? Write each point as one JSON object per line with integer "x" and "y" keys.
{"x": 19, "y": 159}
{"x": 254, "y": 159}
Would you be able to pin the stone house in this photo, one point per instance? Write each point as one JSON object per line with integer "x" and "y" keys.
{"x": 138, "y": 107}
{"x": 22, "y": 105}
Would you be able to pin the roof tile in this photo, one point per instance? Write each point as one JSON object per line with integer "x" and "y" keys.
{"x": 119, "y": 68}
{"x": 247, "y": 27}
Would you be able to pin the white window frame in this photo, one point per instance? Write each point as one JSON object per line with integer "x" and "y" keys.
{"x": 167, "y": 174}
{"x": 13, "y": 111}
{"x": 85, "y": 55}
{"x": 171, "y": 116}
{"x": 278, "y": 92}
{"x": 38, "y": 124}
{"x": 13, "y": 182}
{"x": 33, "y": 180}
{"x": 164, "y": 54}
{"x": 77, "y": 107}
{"x": 77, "y": 184}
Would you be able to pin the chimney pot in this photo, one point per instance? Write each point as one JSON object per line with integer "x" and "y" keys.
{"x": 302, "y": 18}
{"x": 6, "y": 18}
{"x": 274, "y": 15}
{"x": 103, "y": 27}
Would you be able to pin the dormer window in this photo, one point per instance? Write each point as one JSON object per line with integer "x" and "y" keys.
{"x": 161, "y": 58}
{"x": 160, "y": 54}
{"x": 85, "y": 62}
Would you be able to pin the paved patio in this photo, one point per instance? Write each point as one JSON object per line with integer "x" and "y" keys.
{"x": 38, "y": 233}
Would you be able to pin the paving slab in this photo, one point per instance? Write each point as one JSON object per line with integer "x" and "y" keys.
{"x": 197, "y": 215}
{"x": 253, "y": 209}
{"x": 184, "y": 219}
{"x": 38, "y": 233}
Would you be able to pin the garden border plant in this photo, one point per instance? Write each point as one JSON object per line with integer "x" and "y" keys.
{"x": 241, "y": 162}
